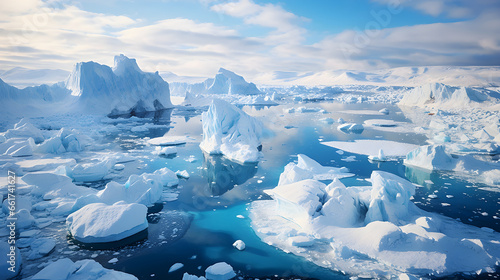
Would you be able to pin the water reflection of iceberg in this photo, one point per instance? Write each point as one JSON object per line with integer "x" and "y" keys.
{"x": 223, "y": 174}
{"x": 417, "y": 175}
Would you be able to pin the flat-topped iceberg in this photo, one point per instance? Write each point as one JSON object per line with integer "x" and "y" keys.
{"x": 229, "y": 131}
{"x": 99, "y": 222}
{"x": 371, "y": 231}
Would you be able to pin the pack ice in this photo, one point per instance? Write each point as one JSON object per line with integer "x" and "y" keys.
{"x": 229, "y": 131}
{"x": 370, "y": 231}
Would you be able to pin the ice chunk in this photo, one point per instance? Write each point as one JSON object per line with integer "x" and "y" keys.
{"x": 65, "y": 269}
{"x": 24, "y": 129}
{"x": 188, "y": 276}
{"x": 240, "y": 245}
{"x": 351, "y": 128}
{"x": 381, "y": 156}
{"x": 169, "y": 140}
{"x": 50, "y": 186}
{"x": 384, "y": 111}
{"x": 90, "y": 172}
{"x": 51, "y": 146}
{"x": 165, "y": 151}
{"x": 175, "y": 267}
{"x": 373, "y": 147}
{"x": 343, "y": 207}
{"x": 24, "y": 219}
{"x": 229, "y": 131}
{"x": 41, "y": 247}
{"x": 146, "y": 189}
{"x": 320, "y": 172}
{"x": 431, "y": 158}
{"x": 390, "y": 198}
{"x": 17, "y": 148}
{"x": 292, "y": 174}
{"x": 299, "y": 201}
{"x": 220, "y": 271}
{"x": 182, "y": 174}
{"x": 98, "y": 222}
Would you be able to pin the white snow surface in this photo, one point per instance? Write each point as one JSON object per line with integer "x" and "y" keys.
{"x": 66, "y": 269}
{"x": 372, "y": 147}
{"x": 371, "y": 232}
{"x": 229, "y": 131}
{"x": 99, "y": 222}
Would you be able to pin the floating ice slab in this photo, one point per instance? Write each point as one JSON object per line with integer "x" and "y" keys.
{"x": 220, "y": 271}
{"x": 372, "y": 147}
{"x": 51, "y": 186}
{"x": 351, "y": 128}
{"x": 65, "y": 269}
{"x": 229, "y": 131}
{"x": 99, "y": 222}
{"x": 239, "y": 244}
{"x": 168, "y": 140}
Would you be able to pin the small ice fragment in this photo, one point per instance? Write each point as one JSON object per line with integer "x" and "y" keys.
{"x": 240, "y": 217}
{"x": 182, "y": 174}
{"x": 445, "y": 204}
{"x": 429, "y": 182}
{"x": 175, "y": 266}
{"x": 113, "y": 260}
{"x": 432, "y": 196}
{"x": 240, "y": 245}
{"x": 259, "y": 181}
{"x": 449, "y": 196}
{"x": 220, "y": 271}
{"x": 340, "y": 152}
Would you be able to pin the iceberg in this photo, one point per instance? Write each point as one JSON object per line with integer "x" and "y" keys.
{"x": 123, "y": 89}
{"x": 307, "y": 168}
{"x": 371, "y": 231}
{"x": 99, "y": 222}
{"x": 351, "y": 128}
{"x": 442, "y": 96}
{"x": 229, "y": 131}
{"x": 65, "y": 269}
{"x": 431, "y": 157}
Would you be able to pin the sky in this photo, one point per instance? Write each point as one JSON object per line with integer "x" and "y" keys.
{"x": 261, "y": 40}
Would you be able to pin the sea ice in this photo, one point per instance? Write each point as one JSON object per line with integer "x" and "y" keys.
{"x": 374, "y": 231}
{"x": 99, "y": 222}
{"x": 372, "y": 147}
{"x": 65, "y": 269}
{"x": 351, "y": 128}
{"x": 175, "y": 267}
{"x": 229, "y": 131}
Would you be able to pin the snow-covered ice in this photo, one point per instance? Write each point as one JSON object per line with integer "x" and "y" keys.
{"x": 239, "y": 244}
{"x": 229, "y": 131}
{"x": 373, "y": 147}
{"x": 99, "y": 222}
{"x": 65, "y": 269}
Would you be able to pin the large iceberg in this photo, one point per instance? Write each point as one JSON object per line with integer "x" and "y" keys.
{"x": 224, "y": 82}
{"x": 99, "y": 222}
{"x": 229, "y": 131}
{"x": 123, "y": 89}
{"x": 371, "y": 231}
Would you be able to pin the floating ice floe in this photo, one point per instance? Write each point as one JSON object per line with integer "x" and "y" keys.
{"x": 371, "y": 231}
{"x": 351, "y": 128}
{"x": 220, "y": 271}
{"x": 307, "y": 168}
{"x": 229, "y": 131}
{"x": 188, "y": 276}
{"x": 65, "y": 269}
{"x": 146, "y": 189}
{"x": 165, "y": 151}
{"x": 373, "y": 147}
{"x": 24, "y": 129}
{"x": 170, "y": 140}
{"x": 100, "y": 223}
